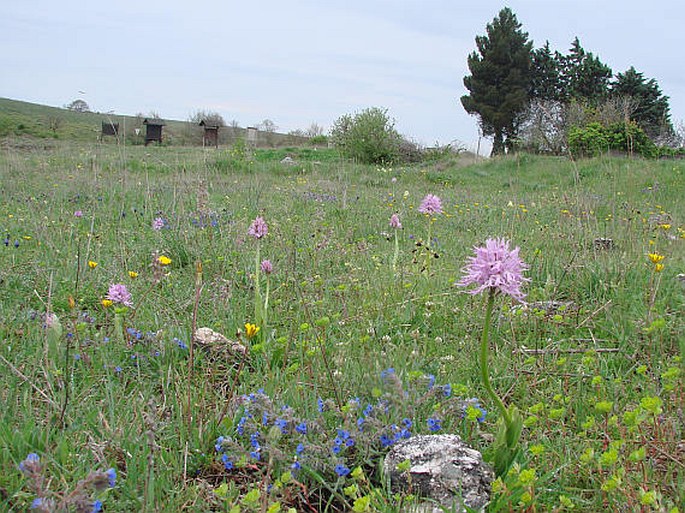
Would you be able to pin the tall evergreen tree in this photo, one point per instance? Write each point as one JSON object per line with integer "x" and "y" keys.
{"x": 546, "y": 75}
{"x": 585, "y": 77}
{"x": 500, "y": 79}
{"x": 651, "y": 106}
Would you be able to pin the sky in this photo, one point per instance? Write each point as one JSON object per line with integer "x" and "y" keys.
{"x": 300, "y": 62}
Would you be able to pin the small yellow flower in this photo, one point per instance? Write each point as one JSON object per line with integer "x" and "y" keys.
{"x": 106, "y": 303}
{"x": 665, "y": 226}
{"x": 655, "y": 258}
{"x": 658, "y": 268}
{"x": 164, "y": 260}
{"x": 92, "y": 264}
{"x": 133, "y": 275}
{"x": 251, "y": 330}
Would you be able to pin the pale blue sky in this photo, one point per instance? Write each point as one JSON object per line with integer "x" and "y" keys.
{"x": 302, "y": 61}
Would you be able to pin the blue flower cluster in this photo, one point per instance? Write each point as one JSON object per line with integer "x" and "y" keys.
{"x": 338, "y": 437}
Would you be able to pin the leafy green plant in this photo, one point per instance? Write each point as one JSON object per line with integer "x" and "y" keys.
{"x": 369, "y": 136}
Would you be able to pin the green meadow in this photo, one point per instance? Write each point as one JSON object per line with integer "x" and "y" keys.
{"x": 593, "y": 359}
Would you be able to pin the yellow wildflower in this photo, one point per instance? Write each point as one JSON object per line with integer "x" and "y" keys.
{"x": 655, "y": 258}
{"x": 658, "y": 268}
{"x": 133, "y": 275}
{"x": 251, "y": 330}
{"x": 665, "y": 226}
{"x": 106, "y": 303}
{"x": 164, "y": 260}
{"x": 92, "y": 264}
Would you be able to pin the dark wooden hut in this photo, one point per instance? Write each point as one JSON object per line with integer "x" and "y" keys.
{"x": 109, "y": 128}
{"x": 153, "y": 130}
{"x": 210, "y": 137}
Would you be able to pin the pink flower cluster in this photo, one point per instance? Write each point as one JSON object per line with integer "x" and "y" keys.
{"x": 395, "y": 221}
{"x": 158, "y": 224}
{"x": 431, "y": 205}
{"x": 118, "y": 293}
{"x": 267, "y": 267}
{"x": 495, "y": 267}
{"x": 258, "y": 228}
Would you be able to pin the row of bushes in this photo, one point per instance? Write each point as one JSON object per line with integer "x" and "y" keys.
{"x": 595, "y": 139}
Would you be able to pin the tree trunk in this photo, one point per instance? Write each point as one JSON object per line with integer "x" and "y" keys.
{"x": 497, "y": 144}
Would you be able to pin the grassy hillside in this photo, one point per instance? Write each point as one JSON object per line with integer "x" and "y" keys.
{"x": 23, "y": 119}
{"x": 364, "y": 337}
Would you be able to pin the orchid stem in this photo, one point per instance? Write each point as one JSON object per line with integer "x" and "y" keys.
{"x": 484, "y": 370}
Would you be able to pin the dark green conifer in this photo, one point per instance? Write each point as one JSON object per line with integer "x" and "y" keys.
{"x": 500, "y": 80}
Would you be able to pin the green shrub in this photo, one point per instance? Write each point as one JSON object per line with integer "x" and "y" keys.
{"x": 594, "y": 139}
{"x": 369, "y": 136}
{"x": 590, "y": 140}
{"x": 318, "y": 140}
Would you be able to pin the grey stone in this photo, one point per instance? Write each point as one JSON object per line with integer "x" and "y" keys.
{"x": 444, "y": 471}
{"x": 218, "y": 346}
{"x": 288, "y": 161}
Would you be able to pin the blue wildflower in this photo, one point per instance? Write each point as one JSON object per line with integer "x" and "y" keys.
{"x": 386, "y": 441}
{"x": 341, "y": 470}
{"x": 407, "y": 423}
{"x": 320, "y": 405}
{"x": 447, "y": 390}
{"x": 117, "y": 369}
{"x": 180, "y": 343}
{"x": 360, "y": 423}
{"x": 97, "y": 506}
{"x": 29, "y": 463}
{"x": 240, "y": 428}
{"x": 282, "y": 425}
{"x": 299, "y": 449}
{"x": 228, "y": 464}
{"x": 37, "y": 503}
{"x": 256, "y": 455}
{"x": 301, "y": 428}
{"x": 296, "y": 466}
{"x": 349, "y": 442}
{"x": 219, "y": 444}
{"x": 387, "y": 373}
{"x": 111, "y": 477}
{"x": 434, "y": 424}
{"x": 254, "y": 439}
{"x": 265, "y": 419}
{"x": 367, "y": 411}
{"x": 431, "y": 381}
